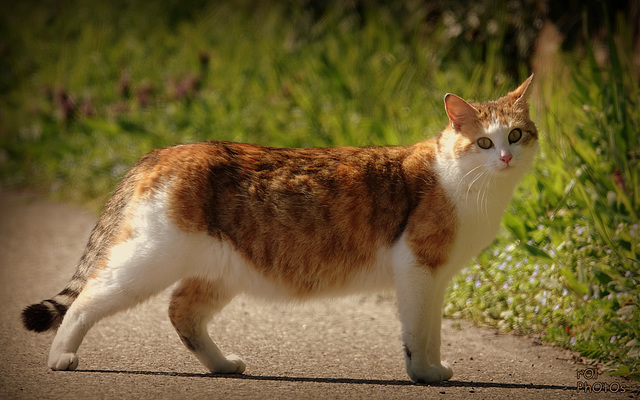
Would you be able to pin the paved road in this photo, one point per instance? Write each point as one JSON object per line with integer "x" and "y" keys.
{"x": 339, "y": 349}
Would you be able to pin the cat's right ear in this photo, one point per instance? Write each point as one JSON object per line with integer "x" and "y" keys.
{"x": 459, "y": 111}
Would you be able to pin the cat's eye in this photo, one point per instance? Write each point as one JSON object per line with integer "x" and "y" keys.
{"x": 515, "y": 135}
{"x": 485, "y": 143}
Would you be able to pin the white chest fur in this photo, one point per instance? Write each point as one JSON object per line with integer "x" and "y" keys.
{"x": 480, "y": 200}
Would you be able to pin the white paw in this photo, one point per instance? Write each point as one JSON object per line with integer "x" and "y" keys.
{"x": 430, "y": 373}
{"x": 63, "y": 362}
{"x": 447, "y": 371}
{"x": 232, "y": 365}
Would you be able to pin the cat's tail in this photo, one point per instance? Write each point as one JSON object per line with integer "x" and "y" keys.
{"x": 48, "y": 314}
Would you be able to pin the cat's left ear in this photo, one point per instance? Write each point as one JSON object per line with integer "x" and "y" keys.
{"x": 459, "y": 111}
{"x": 520, "y": 95}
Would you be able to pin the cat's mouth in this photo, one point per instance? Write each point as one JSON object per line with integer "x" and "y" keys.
{"x": 504, "y": 169}
{"x": 507, "y": 167}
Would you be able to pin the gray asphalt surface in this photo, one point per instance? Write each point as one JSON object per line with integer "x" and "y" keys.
{"x": 339, "y": 349}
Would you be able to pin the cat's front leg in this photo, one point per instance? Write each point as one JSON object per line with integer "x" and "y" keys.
{"x": 420, "y": 297}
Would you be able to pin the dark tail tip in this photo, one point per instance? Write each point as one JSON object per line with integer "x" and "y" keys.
{"x": 43, "y": 316}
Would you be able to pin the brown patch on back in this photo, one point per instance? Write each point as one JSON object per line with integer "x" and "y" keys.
{"x": 308, "y": 218}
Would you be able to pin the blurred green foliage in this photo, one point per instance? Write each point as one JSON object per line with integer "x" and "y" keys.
{"x": 86, "y": 88}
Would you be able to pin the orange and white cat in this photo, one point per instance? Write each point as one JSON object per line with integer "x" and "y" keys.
{"x": 218, "y": 219}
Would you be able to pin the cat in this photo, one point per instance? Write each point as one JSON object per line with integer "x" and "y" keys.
{"x": 219, "y": 218}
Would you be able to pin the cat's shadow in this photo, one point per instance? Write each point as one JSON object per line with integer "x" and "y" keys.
{"x": 353, "y": 381}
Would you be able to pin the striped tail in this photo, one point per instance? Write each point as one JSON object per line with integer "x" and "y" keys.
{"x": 48, "y": 314}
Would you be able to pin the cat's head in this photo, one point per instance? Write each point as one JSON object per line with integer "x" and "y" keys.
{"x": 496, "y": 138}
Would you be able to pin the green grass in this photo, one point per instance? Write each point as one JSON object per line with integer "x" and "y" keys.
{"x": 141, "y": 76}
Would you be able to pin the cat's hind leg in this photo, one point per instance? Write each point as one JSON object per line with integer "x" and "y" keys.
{"x": 101, "y": 297}
{"x": 93, "y": 304}
{"x": 193, "y": 304}
{"x": 132, "y": 271}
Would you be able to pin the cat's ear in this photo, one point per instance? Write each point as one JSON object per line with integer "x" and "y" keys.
{"x": 520, "y": 95}
{"x": 459, "y": 111}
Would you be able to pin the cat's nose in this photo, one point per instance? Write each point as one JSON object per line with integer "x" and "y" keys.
{"x": 506, "y": 157}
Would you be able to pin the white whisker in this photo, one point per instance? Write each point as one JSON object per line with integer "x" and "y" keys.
{"x": 480, "y": 196}
{"x": 472, "y": 170}
{"x": 469, "y": 189}
{"x": 478, "y": 191}
{"x": 483, "y": 189}
{"x": 480, "y": 175}
{"x": 485, "y": 197}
